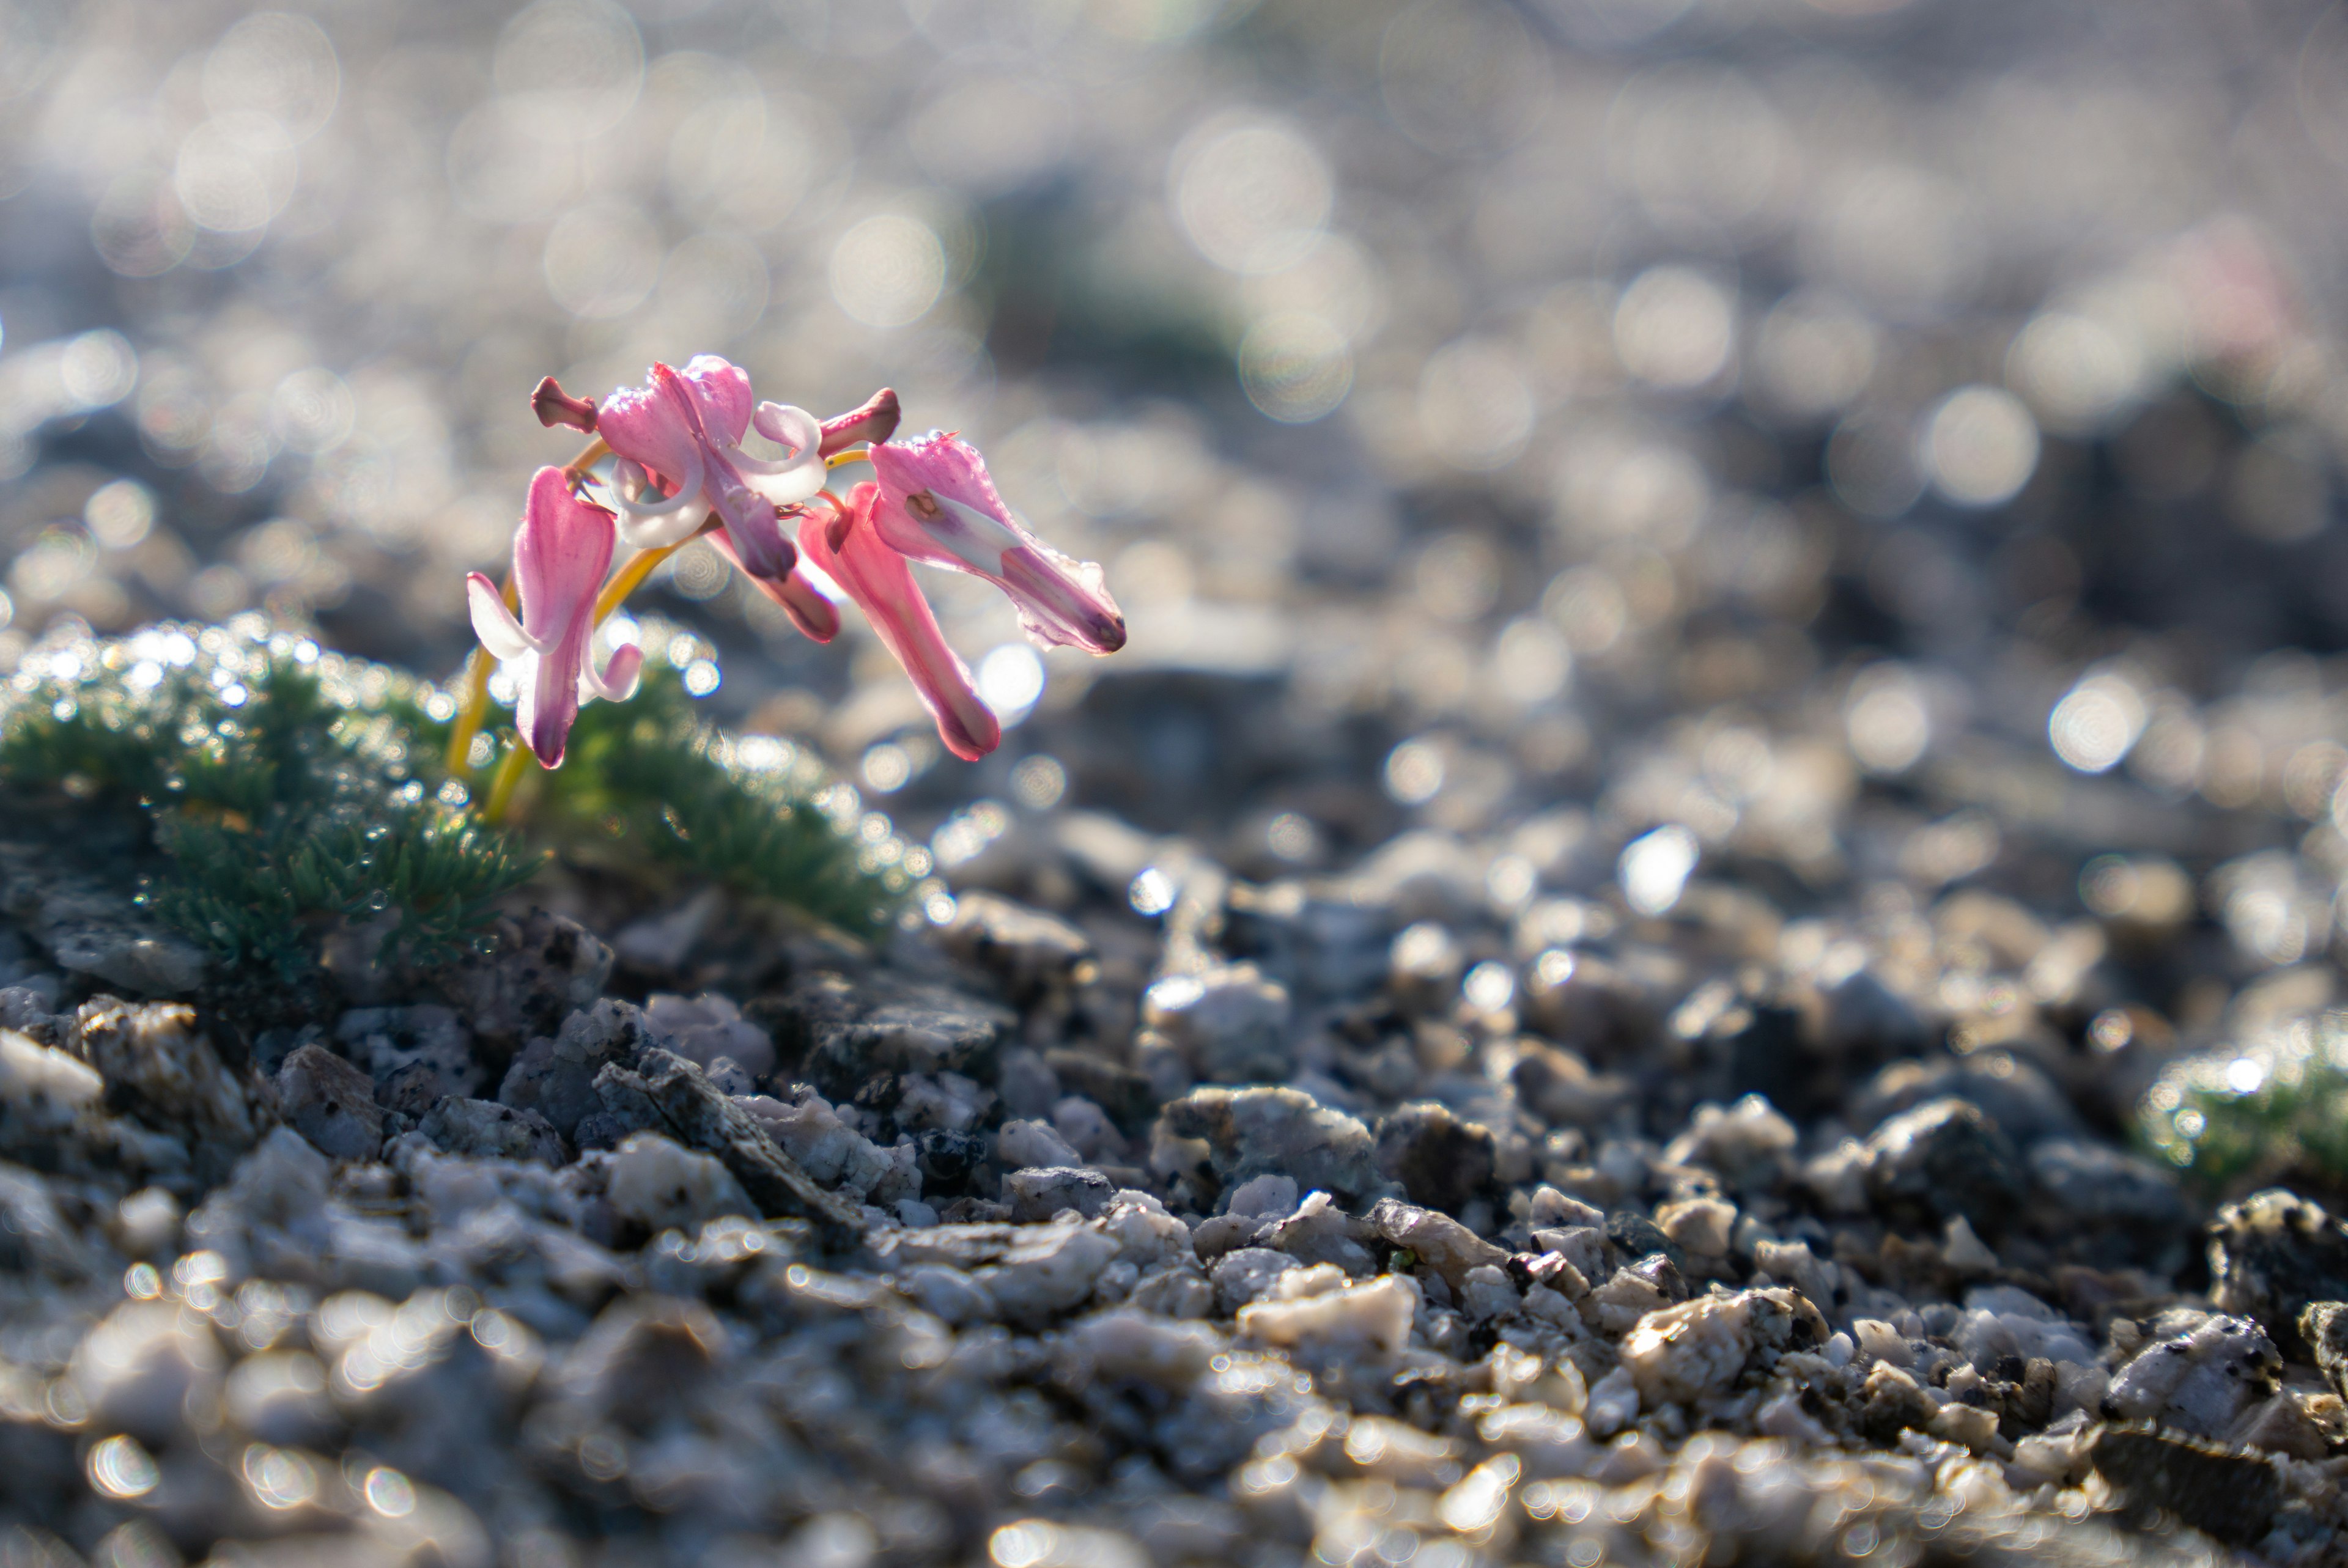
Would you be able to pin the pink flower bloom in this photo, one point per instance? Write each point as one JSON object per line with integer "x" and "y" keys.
{"x": 876, "y": 421}
{"x": 561, "y": 553}
{"x": 816, "y": 617}
{"x": 938, "y": 506}
{"x": 849, "y": 549}
{"x": 679, "y": 442}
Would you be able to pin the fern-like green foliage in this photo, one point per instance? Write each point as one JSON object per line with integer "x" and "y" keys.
{"x": 2255, "y": 1110}
{"x": 286, "y": 785}
{"x": 295, "y": 791}
{"x": 651, "y": 778}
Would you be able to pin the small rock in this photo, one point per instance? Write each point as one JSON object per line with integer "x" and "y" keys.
{"x": 2199, "y": 1382}
{"x": 1318, "y": 1232}
{"x": 1371, "y": 1319}
{"x": 1270, "y": 1196}
{"x": 144, "y": 1365}
{"x": 1023, "y": 1143}
{"x": 1031, "y": 953}
{"x": 2230, "y": 1494}
{"x": 1942, "y": 1159}
{"x": 2023, "y": 1101}
{"x": 658, "y": 1184}
{"x": 1045, "y": 1271}
{"x": 1700, "y": 1226}
{"x": 1749, "y": 1144}
{"x": 2324, "y": 1325}
{"x": 1040, "y": 1193}
{"x": 152, "y": 1054}
{"x": 487, "y": 1130}
{"x": 845, "y": 1033}
{"x": 1701, "y": 1348}
{"x": 537, "y": 970}
{"x": 1439, "y": 1242}
{"x": 1245, "y": 1275}
{"x": 1277, "y": 1131}
{"x": 416, "y": 1055}
{"x": 1228, "y": 1022}
{"x": 2273, "y": 1254}
{"x": 331, "y": 1102}
{"x": 1441, "y": 1161}
{"x": 556, "y": 1076}
{"x": 1323, "y": 940}
{"x": 1636, "y": 1236}
{"x": 705, "y": 1027}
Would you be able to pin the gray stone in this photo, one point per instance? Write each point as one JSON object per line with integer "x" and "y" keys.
{"x": 2271, "y": 1255}
{"x": 485, "y": 1129}
{"x": 1031, "y": 954}
{"x": 1943, "y": 1159}
{"x": 537, "y": 969}
{"x": 417, "y": 1056}
{"x": 2022, "y": 1100}
{"x": 705, "y": 1027}
{"x": 1041, "y": 1192}
{"x": 1266, "y": 1131}
{"x": 1321, "y": 939}
{"x": 1246, "y": 1275}
{"x": 152, "y": 1056}
{"x": 1442, "y": 1161}
{"x": 556, "y": 1077}
{"x": 2198, "y": 1381}
{"x": 331, "y": 1102}
{"x": 1438, "y": 1241}
{"x": 90, "y": 928}
{"x": 1228, "y": 1022}
{"x": 2323, "y": 1326}
{"x": 843, "y": 1034}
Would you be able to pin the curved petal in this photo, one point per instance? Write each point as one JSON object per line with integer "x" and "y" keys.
{"x": 882, "y": 585}
{"x": 876, "y": 421}
{"x": 721, "y": 393}
{"x": 617, "y": 683}
{"x": 659, "y": 533}
{"x": 759, "y": 541}
{"x": 939, "y": 506}
{"x": 549, "y": 700}
{"x": 655, "y": 426}
{"x": 561, "y": 551}
{"x": 816, "y": 617}
{"x": 493, "y": 623}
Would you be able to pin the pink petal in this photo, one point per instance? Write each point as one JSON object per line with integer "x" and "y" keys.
{"x": 655, "y": 426}
{"x": 561, "y": 551}
{"x": 882, "y": 585}
{"x": 759, "y": 547}
{"x": 721, "y": 392}
{"x": 939, "y": 506}
{"x": 815, "y": 617}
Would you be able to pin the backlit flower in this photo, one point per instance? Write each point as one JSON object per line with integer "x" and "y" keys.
{"x": 849, "y": 550}
{"x": 561, "y": 553}
{"x": 938, "y": 506}
{"x": 679, "y": 443}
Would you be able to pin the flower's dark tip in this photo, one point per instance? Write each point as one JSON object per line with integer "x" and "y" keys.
{"x": 555, "y": 406}
{"x": 875, "y": 421}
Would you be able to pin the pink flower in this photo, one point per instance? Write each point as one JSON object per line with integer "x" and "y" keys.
{"x": 937, "y": 505}
{"x": 679, "y": 442}
{"x": 849, "y": 549}
{"x": 816, "y": 617}
{"x": 561, "y": 553}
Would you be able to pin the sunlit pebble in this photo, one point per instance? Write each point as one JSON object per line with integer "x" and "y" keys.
{"x": 2095, "y": 723}
{"x": 1038, "y": 782}
{"x": 1887, "y": 720}
{"x": 1674, "y": 328}
{"x": 1654, "y": 869}
{"x": 1489, "y": 986}
{"x": 1251, "y": 194}
{"x": 1981, "y": 445}
{"x": 887, "y": 271}
{"x": 1413, "y": 772}
{"x": 1152, "y": 892}
{"x": 1293, "y": 837}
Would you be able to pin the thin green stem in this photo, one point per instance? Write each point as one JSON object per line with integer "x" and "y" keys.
{"x": 510, "y": 768}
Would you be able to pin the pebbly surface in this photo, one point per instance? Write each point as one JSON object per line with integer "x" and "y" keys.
{"x": 1703, "y": 923}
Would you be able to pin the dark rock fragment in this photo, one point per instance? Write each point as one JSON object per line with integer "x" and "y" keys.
{"x": 487, "y": 1130}
{"x": 1265, "y": 1132}
{"x": 330, "y": 1103}
{"x": 1441, "y": 1161}
{"x": 2228, "y": 1492}
{"x": 2324, "y": 1327}
{"x": 1038, "y": 1193}
{"x": 556, "y": 1077}
{"x": 852, "y": 1038}
{"x": 1943, "y": 1159}
{"x": 2274, "y": 1253}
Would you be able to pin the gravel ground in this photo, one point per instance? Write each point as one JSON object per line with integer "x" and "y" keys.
{"x": 1700, "y": 925}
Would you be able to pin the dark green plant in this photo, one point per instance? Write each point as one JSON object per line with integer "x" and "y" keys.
{"x": 2256, "y": 1108}
{"x": 651, "y": 778}
{"x": 282, "y": 783}
{"x": 294, "y": 792}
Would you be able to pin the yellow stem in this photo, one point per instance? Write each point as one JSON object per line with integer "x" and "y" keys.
{"x": 640, "y": 566}
{"x": 501, "y": 785}
{"x": 473, "y": 695}
{"x": 597, "y": 450}
{"x": 853, "y": 454}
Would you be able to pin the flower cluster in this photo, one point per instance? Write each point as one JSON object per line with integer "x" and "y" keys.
{"x": 678, "y": 471}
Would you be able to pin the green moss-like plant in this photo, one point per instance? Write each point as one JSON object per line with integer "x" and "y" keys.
{"x": 294, "y": 792}
{"x": 285, "y": 785}
{"x": 2257, "y": 1109}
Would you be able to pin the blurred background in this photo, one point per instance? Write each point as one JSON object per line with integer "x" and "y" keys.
{"x": 1859, "y": 436}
